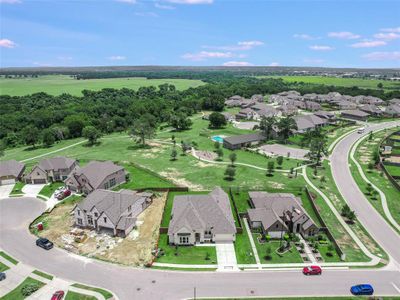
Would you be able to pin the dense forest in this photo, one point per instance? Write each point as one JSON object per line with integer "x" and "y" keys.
{"x": 44, "y": 118}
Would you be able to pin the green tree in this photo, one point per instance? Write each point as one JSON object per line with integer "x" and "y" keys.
{"x": 217, "y": 120}
{"x": 230, "y": 173}
{"x": 217, "y": 145}
{"x": 174, "y": 154}
{"x": 180, "y": 121}
{"x": 232, "y": 158}
{"x": 266, "y": 126}
{"x": 48, "y": 137}
{"x": 270, "y": 168}
{"x": 318, "y": 148}
{"x": 2, "y": 148}
{"x": 268, "y": 253}
{"x": 75, "y": 125}
{"x": 92, "y": 134}
{"x": 285, "y": 126}
{"x": 144, "y": 128}
{"x": 369, "y": 189}
{"x": 220, "y": 154}
{"x": 380, "y": 85}
{"x": 30, "y": 135}
{"x": 279, "y": 161}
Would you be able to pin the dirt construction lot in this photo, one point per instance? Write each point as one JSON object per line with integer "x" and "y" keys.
{"x": 134, "y": 250}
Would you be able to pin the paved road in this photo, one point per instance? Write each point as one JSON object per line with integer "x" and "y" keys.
{"x": 129, "y": 283}
{"x": 369, "y": 217}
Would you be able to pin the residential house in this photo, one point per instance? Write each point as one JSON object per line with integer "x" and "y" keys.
{"x": 202, "y": 219}
{"x": 234, "y": 101}
{"x": 394, "y": 101}
{"x": 111, "y": 212}
{"x": 96, "y": 175}
{"x": 244, "y": 140}
{"x": 345, "y": 104}
{"x": 287, "y": 110}
{"x": 228, "y": 116}
{"x": 279, "y": 213}
{"x": 311, "y": 105}
{"x": 393, "y": 110}
{"x": 247, "y": 114}
{"x": 257, "y": 98}
{"x": 51, "y": 170}
{"x": 355, "y": 114}
{"x": 11, "y": 171}
{"x": 327, "y": 115}
{"x": 371, "y": 109}
{"x": 370, "y": 100}
{"x": 308, "y": 122}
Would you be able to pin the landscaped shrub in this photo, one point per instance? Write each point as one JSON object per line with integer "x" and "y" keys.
{"x": 29, "y": 289}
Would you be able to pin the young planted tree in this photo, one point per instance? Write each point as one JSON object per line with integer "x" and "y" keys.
{"x": 369, "y": 189}
{"x": 217, "y": 146}
{"x": 268, "y": 253}
{"x": 279, "y": 161}
{"x": 92, "y": 134}
{"x": 174, "y": 154}
{"x": 220, "y": 154}
{"x": 230, "y": 173}
{"x": 232, "y": 158}
{"x": 270, "y": 168}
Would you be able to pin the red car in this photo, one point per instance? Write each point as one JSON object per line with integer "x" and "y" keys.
{"x": 58, "y": 295}
{"x": 64, "y": 194}
{"x": 312, "y": 270}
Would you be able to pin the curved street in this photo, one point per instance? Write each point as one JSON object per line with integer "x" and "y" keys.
{"x": 130, "y": 283}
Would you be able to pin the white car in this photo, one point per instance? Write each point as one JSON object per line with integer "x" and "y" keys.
{"x": 361, "y": 130}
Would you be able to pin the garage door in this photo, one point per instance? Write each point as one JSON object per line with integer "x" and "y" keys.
{"x": 39, "y": 181}
{"x": 7, "y": 181}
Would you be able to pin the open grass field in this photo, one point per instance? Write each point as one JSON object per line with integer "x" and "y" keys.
{"x": 346, "y": 82}
{"x": 59, "y": 84}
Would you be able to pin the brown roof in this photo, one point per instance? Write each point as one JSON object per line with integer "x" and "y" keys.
{"x": 11, "y": 168}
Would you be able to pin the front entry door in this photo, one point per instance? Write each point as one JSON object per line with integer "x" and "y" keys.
{"x": 197, "y": 237}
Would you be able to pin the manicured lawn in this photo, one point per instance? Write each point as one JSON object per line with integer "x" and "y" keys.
{"x": 241, "y": 199}
{"x": 353, "y": 253}
{"x": 168, "y": 205}
{"x": 105, "y": 293}
{"x": 192, "y": 255}
{"x": 323, "y": 250}
{"x": 291, "y": 256}
{"x": 59, "y": 84}
{"x": 49, "y": 189}
{"x": 244, "y": 252}
{"x": 17, "y": 189}
{"x": 43, "y": 274}
{"x": 8, "y": 257}
{"x": 141, "y": 178}
{"x": 16, "y": 293}
{"x": 75, "y": 296}
{"x": 393, "y": 170}
{"x": 346, "y": 82}
{"x": 3, "y": 267}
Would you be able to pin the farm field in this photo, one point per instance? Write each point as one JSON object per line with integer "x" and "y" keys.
{"x": 346, "y": 82}
{"x": 59, "y": 84}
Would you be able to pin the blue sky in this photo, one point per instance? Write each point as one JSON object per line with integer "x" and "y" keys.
{"x": 200, "y": 33}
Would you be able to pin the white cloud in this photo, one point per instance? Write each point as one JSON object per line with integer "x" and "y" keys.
{"x": 64, "y": 58}
{"x": 126, "y": 1}
{"x": 117, "y": 57}
{"x": 321, "y": 48}
{"x": 395, "y": 55}
{"x": 303, "y": 36}
{"x": 5, "y": 43}
{"x": 162, "y": 6}
{"x": 274, "y": 64}
{"x": 387, "y": 36}
{"x": 10, "y": 1}
{"x": 203, "y": 55}
{"x": 395, "y": 29}
{"x": 237, "y": 64}
{"x": 368, "y": 44}
{"x": 240, "y": 46}
{"x": 146, "y": 14}
{"x": 345, "y": 35}
{"x": 191, "y": 1}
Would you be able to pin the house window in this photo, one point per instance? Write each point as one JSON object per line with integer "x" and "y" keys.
{"x": 79, "y": 212}
{"x": 184, "y": 240}
{"x": 37, "y": 173}
{"x": 79, "y": 221}
{"x": 106, "y": 186}
{"x": 90, "y": 220}
{"x": 105, "y": 220}
{"x": 96, "y": 214}
{"x": 277, "y": 225}
{"x": 129, "y": 208}
{"x": 112, "y": 181}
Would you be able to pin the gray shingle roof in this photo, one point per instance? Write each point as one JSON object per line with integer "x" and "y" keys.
{"x": 308, "y": 121}
{"x": 11, "y": 168}
{"x": 201, "y": 212}
{"x": 355, "y": 112}
{"x": 97, "y": 171}
{"x": 245, "y": 138}
{"x": 56, "y": 163}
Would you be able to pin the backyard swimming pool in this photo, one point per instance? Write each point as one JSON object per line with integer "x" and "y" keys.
{"x": 217, "y": 138}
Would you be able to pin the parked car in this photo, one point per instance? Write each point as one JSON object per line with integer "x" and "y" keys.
{"x": 58, "y": 295}
{"x": 362, "y": 289}
{"x": 44, "y": 243}
{"x": 63, "y": 194}
{"x": 312, "y": 270}
{"x": 2, "y": 276}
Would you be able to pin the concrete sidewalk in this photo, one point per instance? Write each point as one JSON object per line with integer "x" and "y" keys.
{"x": 226, "y": 257}
{"x": 253, "y": 246}
{"x": 15, "y": 275}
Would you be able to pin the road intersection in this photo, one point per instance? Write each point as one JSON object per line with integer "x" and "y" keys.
{"x": 131, "y": 283}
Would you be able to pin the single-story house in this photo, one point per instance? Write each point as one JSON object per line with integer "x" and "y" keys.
{"x": 228, "y": 116}
{"x": 311, "y": 105}
{"x": 111, "y": 212}
{"x": 345, "y": 104}
{"x": 247, "y": 114}
{"x": 355, "y": 114}
{"x": 279, "y": 213}
{"x": 11, "y": 171}
{"x": 394, "y": 101}
{"x": 257, "y": 98}
{"x": 371, "y": 109}
{"x": 51, "y": 169}
{"x": 327, "y": 115}
{"x": 393, "y": 110}
{"x": 202, "y": 219}
{"x": 288, "y": 109}
{"x": 308, "y": 122}
{"x": 244, "y": 140}
{"x": 96, "y": 175}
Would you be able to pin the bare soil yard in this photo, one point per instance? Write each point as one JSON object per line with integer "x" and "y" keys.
{"x": 134, "y": 250}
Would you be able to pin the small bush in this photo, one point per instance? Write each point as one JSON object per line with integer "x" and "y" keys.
{"x": 29, "y": 289}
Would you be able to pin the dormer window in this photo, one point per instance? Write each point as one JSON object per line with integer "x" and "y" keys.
{"x": 105, "y": 220}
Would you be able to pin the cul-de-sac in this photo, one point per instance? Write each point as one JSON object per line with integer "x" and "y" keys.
{"x": 134, "y": 171}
